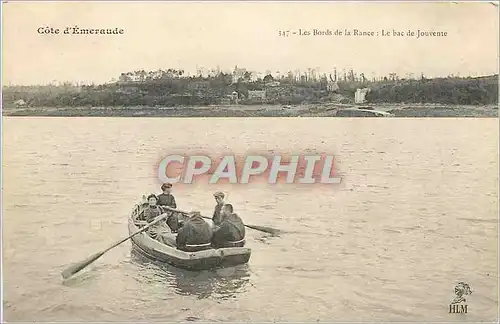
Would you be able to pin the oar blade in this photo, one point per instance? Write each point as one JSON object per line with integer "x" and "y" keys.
{"x": 265, "y": 229}
{"x": 71, "y": 270}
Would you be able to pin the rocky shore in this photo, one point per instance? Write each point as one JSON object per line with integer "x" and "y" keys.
{"x": 309, "y": 110}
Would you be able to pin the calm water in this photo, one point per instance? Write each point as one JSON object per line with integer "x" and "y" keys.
{"x": 415, "y": 214}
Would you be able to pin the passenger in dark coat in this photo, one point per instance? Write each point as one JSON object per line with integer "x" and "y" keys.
{"x": 231, "y": 231}
{"x": 219, "y": 198}
{"x": 195, "y": 234}
{"x": 167, "y": 199}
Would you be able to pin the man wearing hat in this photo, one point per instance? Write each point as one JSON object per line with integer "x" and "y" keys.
{"x": 231, "y": 231}
{"x": 219, "y": 198}
{"x": 166, "y": 198}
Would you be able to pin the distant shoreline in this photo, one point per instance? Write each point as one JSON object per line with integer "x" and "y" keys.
{"x": 303, "y": 110}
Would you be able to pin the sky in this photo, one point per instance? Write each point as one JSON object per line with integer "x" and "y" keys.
{"x": 190, "y": 35}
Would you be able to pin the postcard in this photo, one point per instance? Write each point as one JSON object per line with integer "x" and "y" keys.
{"x": 250, "y": 161}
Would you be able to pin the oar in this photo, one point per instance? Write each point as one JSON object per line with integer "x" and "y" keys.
{"x": 76, "y": 267}
{"x": 265, "y": 229}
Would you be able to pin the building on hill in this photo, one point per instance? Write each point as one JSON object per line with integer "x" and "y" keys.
{"x": 273, "y": 84}
{"x": 257, "y": 94}
{"x": 238, "y": 74}
{"x": 20, "y": 103}
{"x": 234, "y": 97}
{"x": 360, "y": 95}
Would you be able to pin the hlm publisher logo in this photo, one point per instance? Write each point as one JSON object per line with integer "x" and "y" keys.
{"x": 458, "y": 305}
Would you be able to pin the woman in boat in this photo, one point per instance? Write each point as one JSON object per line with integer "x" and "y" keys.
{"x": 149, "y": 213}
{"x": 219, "y": 198}
{"x": 152, "y": 210}
{"x": 231, "y": 231}
{"x": 195, "y": 234}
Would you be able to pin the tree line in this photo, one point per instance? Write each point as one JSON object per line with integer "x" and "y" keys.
{"x": 173, "y": 87}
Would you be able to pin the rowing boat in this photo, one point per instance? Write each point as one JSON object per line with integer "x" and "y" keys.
{"x": 200, "y": 260}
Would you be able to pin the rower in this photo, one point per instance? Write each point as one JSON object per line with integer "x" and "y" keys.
{"x": 195, "y": 234}
{"x": 219, "y": 198}
{"x": 231, "y": 231}
{"x": 167, "y": 199}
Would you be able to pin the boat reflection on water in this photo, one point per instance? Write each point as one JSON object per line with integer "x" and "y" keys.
{"x": 224, "y": 283}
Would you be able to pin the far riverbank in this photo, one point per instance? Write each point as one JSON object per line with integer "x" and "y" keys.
{"x": 306, "y": 110}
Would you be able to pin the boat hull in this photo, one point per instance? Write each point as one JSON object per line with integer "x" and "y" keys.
{"x": 201, "y": 260}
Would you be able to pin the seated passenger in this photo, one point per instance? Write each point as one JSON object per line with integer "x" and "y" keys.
{"x": 231, "y": 231}
{"x": 149, "y": 213}
{"x": 194, "y": 235}
{"x": 151, "y": 210}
